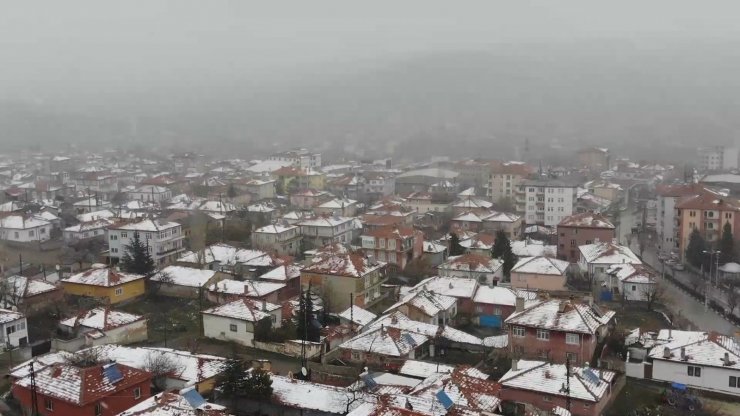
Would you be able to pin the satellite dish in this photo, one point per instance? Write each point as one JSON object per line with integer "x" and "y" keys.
{"x": 304, "y": 372}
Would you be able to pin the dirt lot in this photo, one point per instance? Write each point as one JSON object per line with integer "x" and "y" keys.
{"x": 639, "y": 395}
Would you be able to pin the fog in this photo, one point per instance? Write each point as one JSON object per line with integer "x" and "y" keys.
{"x": 409, "y": 78}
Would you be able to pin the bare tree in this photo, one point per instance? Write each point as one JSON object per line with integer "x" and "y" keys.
{"x": 86, "y": 358}
{"x": 733, "y": 297}
{"x": 653, "y": 294}
{"x": 162, "y": 278}
{"x": 161, "y": 366}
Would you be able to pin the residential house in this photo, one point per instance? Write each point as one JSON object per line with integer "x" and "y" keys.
{"x": 185, "y": 282}
{"x": 707, "y": 212}
{"x": 94, "y": 180}
{"x": 597, "y": 257}
{"x": 428, "y": 307}
{"x": 336, "y": 273}
{"x": 581, "y": 229}
{"x": 532, "y": 248}
{"x": 186, "y": 402}
{"x": 283, "y": 239}
{"x": 461, "y": 288}
{"x": 321, "y": 231}
{"x": 423, "y": 202}
{"x": 493, "y": 304}
{"x": 68, "y": 390}
{"x": 24, "y": 228}
{"x": 229, "y": 290}
{"x": 509, "y": 223}
{"x": 701, "y": 360}
{"x": 308, "y": 199}
{"x": 540, "y": 273}
{"x": 540, "y": 384}
{"x": 666, "y": 221}
{"x": 300, "y": 158}
{"x": 342, "y": 207}
{"x": 29, "y": 296}
{"x": 150, "y": 193}
{"x": 484, "y": 269}
{"x": 434, "y": 252}
{"x": 383, "y": 347}
{"x": 397, "y": 246}
{"x": 558, "y": 330}
{"x": 356, "y": 316}
{"x": 636, "y": 282}
{"x": 287, "y": 274}
{"x": 236, "y": 321}
{"x": 13, "y": 329}
{"x": 471, "y": 204}
{"x": 95, "y": 229}
{"x": 546, "y": 202}
{"x": 289, "y": 178}
{"x": 164, "y": 239}
{"x": 259, "y": 188}
{"x": 230, "y": 259}
{"x": 102, "y": 325}
{"x": 106, "y": 284}
{"x": 90, "y": 204}
{"x": 467, "y": 390}
{"x": 480, "y": 244}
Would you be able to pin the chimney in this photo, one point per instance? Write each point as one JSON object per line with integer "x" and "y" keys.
{"x": 670, "y": 333}
{"x": 726, "y": 360}
{"x": 519, "y": 304}
{"x": 514, "y": 365}
{"x": 683, "y": 354}
{"x": 264, "y": 305}
{"x": 666, "y": 352}
{"x": 597, "y": 240}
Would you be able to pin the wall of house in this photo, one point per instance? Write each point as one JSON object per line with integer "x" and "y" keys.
{"x": 131, "y": 290}
{"x": 569, "y": 238}
{"x": 712, "y": 378}
{"x": 635, "y": 291}
{"x": 336, "y": 290}
{"x": 133, "y": 332}
{"x": 219, "y": 327}
{"x": 538, "y": 281}
{"x": 27, "y": 235}
{"x": 115, "y": 403}
{"x": 20, "y": 328}
{"x": 34, "y": 304}
{"x": 546, "y": 401}
{"x": 554, "y": 349}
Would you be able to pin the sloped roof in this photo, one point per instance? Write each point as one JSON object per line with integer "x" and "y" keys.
{"x": 472, "y": 262}
{"x": 608, "y": 253}
{"x": 244, "y": 310}
{"x": 587, "y": 220}
{"x": 700, "y": 348}
{"x": 103, "y": 276}
{"x": 102, "y": 319}
{"x": 541, "y": 265}
{"x": 546, "y": 378}
{"x": 428, "y": 302}
{"x": 338, "y": 260}
{"x": 562, "y": 315}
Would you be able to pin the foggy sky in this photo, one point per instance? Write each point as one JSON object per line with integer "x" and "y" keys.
{"x": 82, "y": 48}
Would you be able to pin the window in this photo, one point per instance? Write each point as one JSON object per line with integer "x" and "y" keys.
{"x": 119, "y": 291}
{"x": 573, "y": 339}
{"x": 17, "y": 235}
{"x": 98, "y": 409}
{"x": 479, "y": 309}
{"x": 137, "y": 392}
{"x": 381, "y": 242}
{"x": 734, "y": 382}
{"x": 392, "y": 244}
{"x": 232, "y": 327}
{"x": 694, "y": 371}
{"x": 124, "y": 235}
{"x": 30, "y": 233}
{"x": 543, "y": 334}
{"x": 572, "y": 243}
{"x": 497, "y": 311}
{"x": 48, "y": 405}
{"x": 571, "y": 357}
{"x": 634, "y": 288}
{"x": 273, "y": 318}
{"x": 10, "y": 329}
{"x": 114, "y": 250}
{"x": 518, "y": 331}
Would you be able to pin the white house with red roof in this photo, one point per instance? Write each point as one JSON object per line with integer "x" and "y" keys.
{"x": 236, "y": 321}
{"x": 100, "y": 326}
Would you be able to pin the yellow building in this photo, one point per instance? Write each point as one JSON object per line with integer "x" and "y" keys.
{"x": 290, "y": 178}
{"x": 706, "y": 212}
{"x": 106, "y": 284}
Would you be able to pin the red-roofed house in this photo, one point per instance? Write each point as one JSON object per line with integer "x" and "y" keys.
{"x": 581, "y": 229}
{"x": 396, "y": 245}
{"x": 67, "y": 390}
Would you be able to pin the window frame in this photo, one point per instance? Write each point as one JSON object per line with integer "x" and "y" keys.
{"x": 571, "y": 335}
{"x": 137, "y": 393}
{"x": 516, "y": 329}
{"x": 693, "y": 371}
{"x": 48, "y": 404}
{"x": 543, "y": 335}
{"x": 233, "y": 328}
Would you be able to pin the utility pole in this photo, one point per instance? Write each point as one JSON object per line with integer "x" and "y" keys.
{"x": 567, "y": 383}
{"x": 34, "y": 398}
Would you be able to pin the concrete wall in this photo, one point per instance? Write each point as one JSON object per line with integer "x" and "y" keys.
{"x": 712, "y": 378}
{"x": 219, "y": 327}
{"x": 538, "y": 281}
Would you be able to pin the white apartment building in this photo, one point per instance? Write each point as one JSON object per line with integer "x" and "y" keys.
{"x": 299, "y": 158}
{"x": 545, "y": 201}
{"x": 505, "y": 179}
{"x": 320, "y": 231}
{"x": 163, "y": 238}
{"x": 283, "y": 238}
{"x": 13, "y": 329}
{"x": 717, "y": 158}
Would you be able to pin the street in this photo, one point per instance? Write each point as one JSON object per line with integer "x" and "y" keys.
{"x": 676, "y": 300}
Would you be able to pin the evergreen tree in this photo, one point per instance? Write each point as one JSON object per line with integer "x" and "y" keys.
{"x": 136, "y": 258}
{"x": 502, "y": 250}
{"x": 257, "y": 385}
{"x": 231, "y": 192}
{"x": 231, "y": 382}
{"x": 726, "y": 245}
{"x": 695, "y": 249}
{"x": 305, "y": 328}
{"x": 455, "y": 248}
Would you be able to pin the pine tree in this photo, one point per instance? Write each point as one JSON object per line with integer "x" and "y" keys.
{"x": 231, "y": 192}
{"x": 231, "y": 382}
{"x": 257, "y": 385}
{"x": 726, "y": 245}
{"x": 455, "y": 248}
{"x": 695, "y": 249}
{"x": 136, "y": 258}
{"x": 502, "y": 250}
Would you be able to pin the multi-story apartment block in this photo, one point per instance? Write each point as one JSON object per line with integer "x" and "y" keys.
{"x": 299, "y": 158}
{"x": 505, "y": 179}
{"x": 717, "y": 158}
{"x": 546, "y": 201}
{"x": 665, "y": 215}
{"x": 337, "y": 274}
{"x": 284, "y": 239}
{"x": 320, "y": 231}
{"x": 163, "y": 239}
{"x": 707, "y": 212}
{"x": 581, "y": 229}
{"x": 396, "y": 245}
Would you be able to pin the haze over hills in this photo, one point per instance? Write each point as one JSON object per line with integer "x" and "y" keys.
{"x": 464, "y": 103}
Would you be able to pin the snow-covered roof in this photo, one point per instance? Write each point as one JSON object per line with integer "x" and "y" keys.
{"x": 434, "y": 247}
{"x": 608, "y": 253}
{"x": 532, "y": 248}
{"x": 501, "y": 217}
{"x": 505, "y": 296}
{"x": 90, "y": 216}
{"x": 730, "y": 267}
{"x": 587, "y": 220}
{"x": 306, "y": 395}
{"x": 586, "y": 383}
{"x": 184, "y": 276}
{"x": 562, "y": 315}
{"x": 633, "y": 273}
{"x": 429, "y": 303}
{"x": 102, "y": 276}
{"x": 22, "y": 222}
{"x": 187, "y": 403}
{"x": 282, "y": 273}
{"x": 248, "y": 288}
{"x": 472, "y": 262}
{"x": 357, "y": 315}
{"x": 337, "y": 203}
{"x": 325, "y": 221}
{"x": 338, "y": 260}
{"x": 25, "y": 287}
{"x": 227, "y": 255}
{"x": 6, "y": 315}
{"x": 541, "y": 265}
{"x": 148, "y": 225}
{"x": 473, "y": 203}
{"x": 457, "y": 287}
{"x": 468, "y": 217}
{"x": 496, "y": 341}
{"x": 244, "y": 309}
{"x": 401, "y": 321}
{"x": 696, "y": 347}
{"x": 97, "y": 224}
{"x": 461, "y": 388}
{"x": 102, "y": 319}
{"x": 393, "y": 342}
{"x": 275, "y": 229}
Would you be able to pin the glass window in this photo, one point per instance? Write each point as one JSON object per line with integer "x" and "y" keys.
{"x": 543, "y": 334}
{"x": 518, "y": 331}
{"x": 734, "y": 381}
{"x": 232, "y": 327}
{"x": 573, "y": 339}
{"x": 137, "y": 392}
{"x": 694, "y": 371}
{"x": 48, "y": 404}
{"x": 98, "y": 409}
{"x": 119, "y": 291}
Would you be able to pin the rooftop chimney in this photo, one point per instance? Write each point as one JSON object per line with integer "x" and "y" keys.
{"x": 666, "y": 352}
{"x": 519, "y": 304}
{"x": 514, "y": 365}
{"x": 597, "y": 240}
{"x": 683, "y": 354}
{"x": 726, "y": 360}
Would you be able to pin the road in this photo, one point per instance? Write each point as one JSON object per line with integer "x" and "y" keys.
{"x": 677, "y": 301}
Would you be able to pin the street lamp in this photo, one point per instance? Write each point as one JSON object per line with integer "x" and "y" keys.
{"x": 716, "y": 254}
